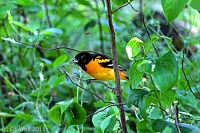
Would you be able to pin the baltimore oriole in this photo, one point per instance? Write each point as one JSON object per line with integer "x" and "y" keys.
{"x": 98, "y": 65}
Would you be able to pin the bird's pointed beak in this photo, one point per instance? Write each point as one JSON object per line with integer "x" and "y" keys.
{"x": 74, "y": 61}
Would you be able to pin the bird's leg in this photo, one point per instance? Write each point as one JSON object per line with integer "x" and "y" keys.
{"x": 114, "y": 90}
{"x": 88, "y": 81}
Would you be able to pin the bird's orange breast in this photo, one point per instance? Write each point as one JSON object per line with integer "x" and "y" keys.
{"x": 98, "y": 72}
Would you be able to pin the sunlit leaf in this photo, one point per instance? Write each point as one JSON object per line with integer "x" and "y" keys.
{"x": 51, "y": 31}
{"x": 22, "y": 25}
{"x": 132, "y": 47}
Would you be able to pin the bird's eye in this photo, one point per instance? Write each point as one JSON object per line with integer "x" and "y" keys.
{"x": 82, "y": 57}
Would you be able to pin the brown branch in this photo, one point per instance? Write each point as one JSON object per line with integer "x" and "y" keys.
{"x": 68, "y": 76}
{"x": 187, "y": 78}
{"x": 115, "y": 67}
{"x": 175, "y": 111}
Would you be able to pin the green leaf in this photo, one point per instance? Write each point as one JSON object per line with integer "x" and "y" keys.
{"x": 51, "y": 31}
{"x": 142, "y": 107}
{"x": 84, "y": 2}
{"x": 158, "y": 96}
{"x": 167, "y": 130}
{"x": 142, "y": 127}
{"x": 172, "y": 8}
{"x": 68, "y": 117}
{"x": 4, "y": 9}
{"x": 155, "y": 114}
{"x": 187, "y": 128}
{"x": 106, "y": 122}
{"x": 119, "y": 2}
{"x": 90, "y": 24}
{"x": 132, "y": 47}
{"x": 55, "y": 115}
{"x": 25, "y": 2}
{"x": 23, "y": 26}
{"x": 72, "y": 111}
{"x": 165, "y": 73}
{"x": 32, "y": 8}
{"x": 159, "y": 125}
{"x": 154, "y": 39}
{"x": 167, "y": 98}
{"x": 23, "y": 115}
{"x": 135, "y": 75}
{"x": 4, "y": 114}
{"x": 98, "y": 118}
{"x": 195, "y": 4}
{"x": 112, "y": 125}
{"x": 33, "y": 26}
{"x": 64, "y": 105}
{"x": 79, "y": 114}
{"x": 135, "y": 96}
{"x": 59, "y": 60}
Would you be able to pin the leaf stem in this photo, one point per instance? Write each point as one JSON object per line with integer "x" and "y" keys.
{"x": 161, "y": 108}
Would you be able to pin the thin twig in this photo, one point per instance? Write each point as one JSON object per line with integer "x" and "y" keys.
{"x": 143, "y": 22}
{"x": 97, "y": 81}
{"x": 88, "y": 81}
{"x": 176, "y": 116}
{"x": 47, "y": 49}
{"x": 68, "y": 76}
{"x": 116, "y": 104}
{"x": 100, "y": 26}
{"x": 122, "y": 6}
{"x": 187, "y": 78}
{"x": 115, "y": 67}
{"x": 152, "y": 105}
{"x": 194, "y": 85}
{"x": 47, "y": 13}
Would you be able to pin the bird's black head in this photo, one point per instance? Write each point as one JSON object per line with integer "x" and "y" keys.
{"x": 81, "y": 59}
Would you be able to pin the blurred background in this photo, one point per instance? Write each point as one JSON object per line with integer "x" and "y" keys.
{"x": 30, "y": 83}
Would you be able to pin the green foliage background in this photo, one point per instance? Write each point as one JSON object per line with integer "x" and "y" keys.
{"x": 31, "y": 84}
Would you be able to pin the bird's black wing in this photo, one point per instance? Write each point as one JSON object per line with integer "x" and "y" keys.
{"x": 105, "y": 61}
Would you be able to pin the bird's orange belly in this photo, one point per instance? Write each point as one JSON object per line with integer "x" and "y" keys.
{"x": 101, "y": 73}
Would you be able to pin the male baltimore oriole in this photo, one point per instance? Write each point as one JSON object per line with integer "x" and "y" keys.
{"x": 98, "y": 65}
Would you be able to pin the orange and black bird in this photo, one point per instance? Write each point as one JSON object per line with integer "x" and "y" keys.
{"x": 98, "y": 65}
